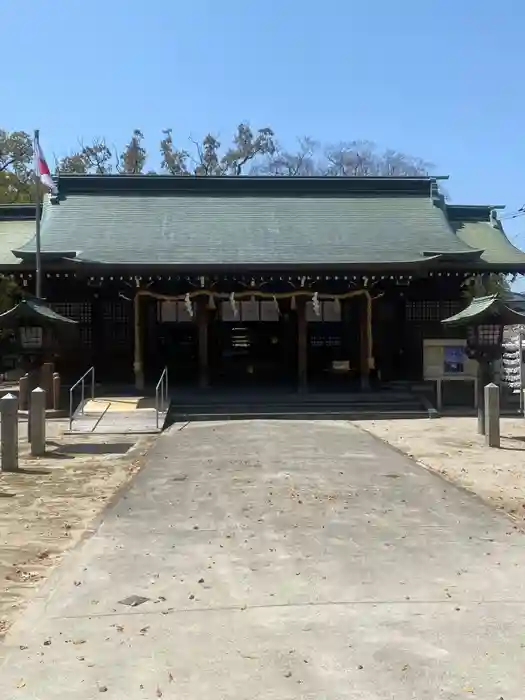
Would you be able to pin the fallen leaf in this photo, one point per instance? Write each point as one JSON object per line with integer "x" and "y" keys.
{"x": 170, "y": 677}
{"x": 159, "y": 693}
{"x": 21, "y": 684}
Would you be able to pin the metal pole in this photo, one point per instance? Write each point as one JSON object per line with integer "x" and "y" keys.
{"x": 38, "y": 212}
{"x": 82, "y": 400}
{"x": 92, "y": 383}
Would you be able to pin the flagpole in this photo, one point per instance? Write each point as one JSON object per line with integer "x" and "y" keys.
{"x": 38, "y": 211}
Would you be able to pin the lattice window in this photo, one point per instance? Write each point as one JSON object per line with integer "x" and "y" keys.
{"x": 116, "y": 311}
{"x": 79, "y": 311}
{"x": 86, "y": 335}
{"x": 432, "y": 310}
{"x": 116, "y": 317}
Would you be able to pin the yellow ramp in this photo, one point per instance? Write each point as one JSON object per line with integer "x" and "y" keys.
{"x": 119, "y": 404}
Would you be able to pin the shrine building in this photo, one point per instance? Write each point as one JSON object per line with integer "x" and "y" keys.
{"x": 313, "y": 283}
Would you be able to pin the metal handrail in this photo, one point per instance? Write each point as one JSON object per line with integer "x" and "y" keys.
{"x": 161, "y": 395}
{"x": 82, "y": 382}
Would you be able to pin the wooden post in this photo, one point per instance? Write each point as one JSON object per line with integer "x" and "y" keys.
{"x": 138, "y": 366}
{"x": 365, "y": 350}
{"x": 302, "y": 346}
{"x": 202, "y": 324}
{"x": 492, "y": 425}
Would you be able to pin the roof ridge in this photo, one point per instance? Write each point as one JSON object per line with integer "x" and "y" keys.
{"x": 244, "y": 185}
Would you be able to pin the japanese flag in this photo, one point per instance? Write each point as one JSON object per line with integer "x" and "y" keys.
{"x": 42, "y": 168}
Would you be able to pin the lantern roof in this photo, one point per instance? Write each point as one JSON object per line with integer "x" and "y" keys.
{"x": 33, "y": 313}
{"x": 489, "y": 309}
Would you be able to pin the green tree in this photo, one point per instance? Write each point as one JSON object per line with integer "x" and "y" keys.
{"x": 16, "y": 155}
{"x": 94, "y": 158}
{"x": 133, "y": 157}
{"x": 206, "y": 157}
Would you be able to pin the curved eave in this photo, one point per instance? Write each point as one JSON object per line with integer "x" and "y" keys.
{"x": 461, "y": 256}
{"x": 497, "y": 248}
{"x": 30, "y": 255}
{"x": 32, "y": 312}
{"x": 488, "y": 309}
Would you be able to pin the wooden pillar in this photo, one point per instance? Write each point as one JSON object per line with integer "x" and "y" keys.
{"x": 138, "y": 363}
{"x": 202, "y": 323}
{"x": 302, "y": 346}
{"x": 365, "y": 351}
{"x": 98, "y": 341}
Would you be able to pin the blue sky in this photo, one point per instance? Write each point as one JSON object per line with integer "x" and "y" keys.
{"x": 440, "y": 80}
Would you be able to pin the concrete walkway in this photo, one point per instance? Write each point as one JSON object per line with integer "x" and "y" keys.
{"x": 281, "y": 560}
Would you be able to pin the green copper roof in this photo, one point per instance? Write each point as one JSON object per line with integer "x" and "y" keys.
{"x": 192, "y": 222}
{"x": 485, "y": 310}
{"x": 17, "y": 227}
{"x": 30, "y": 311}
{"x": 477, "y": 226}
{"x": 249, "y": 221}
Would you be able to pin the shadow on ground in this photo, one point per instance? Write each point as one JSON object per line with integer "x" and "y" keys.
{"x": 86, "y": 448}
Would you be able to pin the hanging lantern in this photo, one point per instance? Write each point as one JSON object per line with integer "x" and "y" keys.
{"x": 211, "y": 302}
{"x": 293, "y": 304}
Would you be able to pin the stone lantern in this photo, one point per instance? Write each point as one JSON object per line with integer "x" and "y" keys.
{"x": 484, "y": 320}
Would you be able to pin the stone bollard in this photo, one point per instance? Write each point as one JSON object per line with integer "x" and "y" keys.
{"x": 9, "y": 440}
{"x": 23, "y": 392}
{"x": 492, "y": 423}
{"x": 56, "y": 391}
{"x": 37, "y": 412}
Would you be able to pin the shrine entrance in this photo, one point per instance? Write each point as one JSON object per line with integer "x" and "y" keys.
{"x": 254, "y": 344}
{"x": 293, "y": 342}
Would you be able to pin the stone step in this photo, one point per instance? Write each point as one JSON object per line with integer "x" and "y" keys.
{"x": 183, "y": 417}
{"x": 341, "y": 407}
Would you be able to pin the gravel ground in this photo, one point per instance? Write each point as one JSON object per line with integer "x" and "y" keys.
{"x": 452, "y": 447}
{"x": 51, "y": 502}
